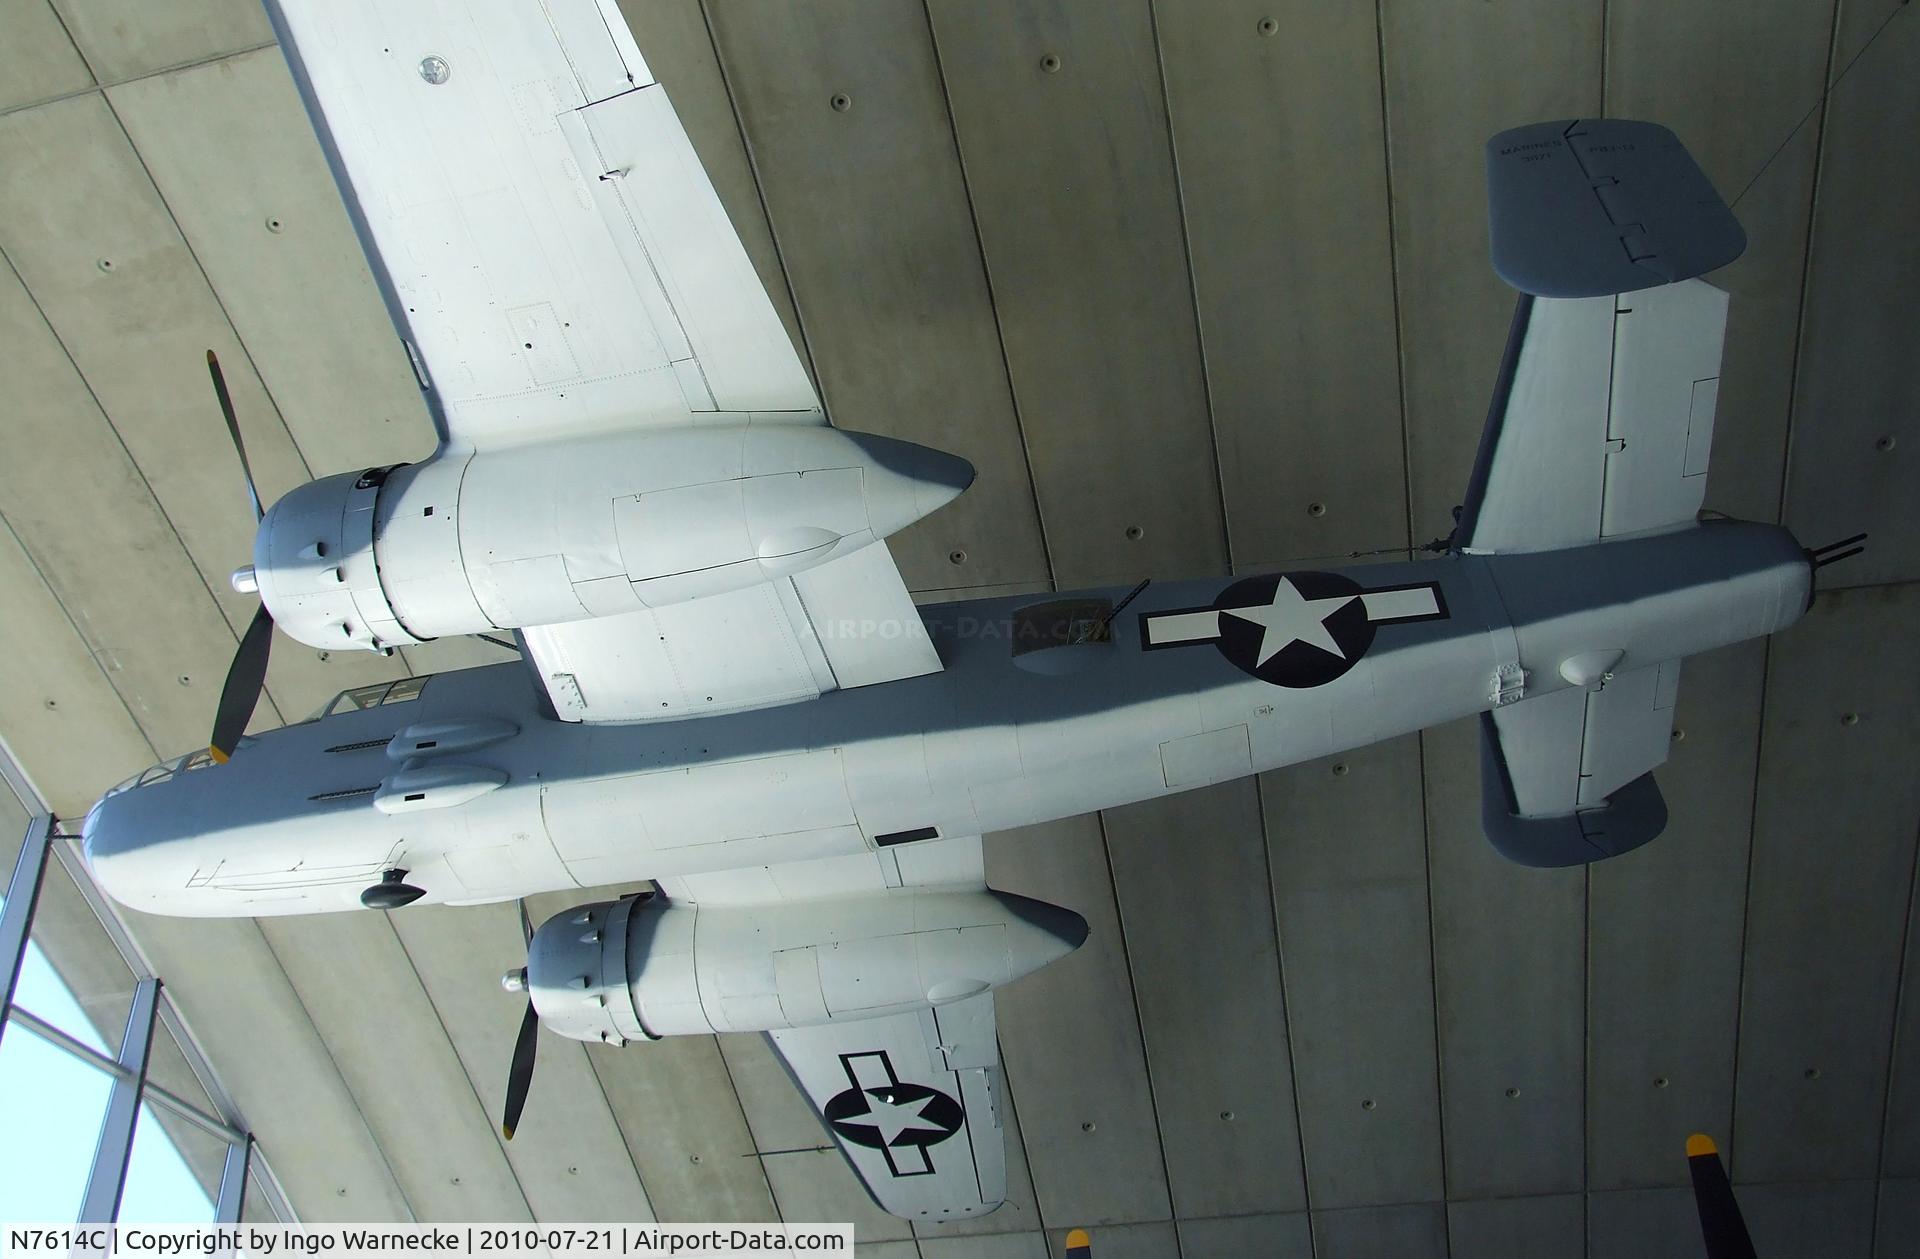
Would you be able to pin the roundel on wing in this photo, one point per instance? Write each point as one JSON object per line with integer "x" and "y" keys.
{"x": 912, "y": 1113}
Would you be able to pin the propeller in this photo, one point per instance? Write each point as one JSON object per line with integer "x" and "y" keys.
{"x": 1720, "y": 1222}
{"x": 247, "y": 675}
{"x": 520, "y": 1074}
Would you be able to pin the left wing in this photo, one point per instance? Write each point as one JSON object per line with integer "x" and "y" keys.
{"x": 913, "y": 1100}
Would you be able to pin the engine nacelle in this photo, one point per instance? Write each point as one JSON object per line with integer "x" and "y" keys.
{"x": 567, "y": 530}
{"x": 640, "y": 969}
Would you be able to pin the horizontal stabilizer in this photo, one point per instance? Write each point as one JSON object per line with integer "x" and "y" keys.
{"x": 1566, "y": 777}
{"x": 1591, "y": 207}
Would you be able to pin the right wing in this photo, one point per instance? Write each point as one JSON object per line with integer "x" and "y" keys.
{"x": 549, "y": 245}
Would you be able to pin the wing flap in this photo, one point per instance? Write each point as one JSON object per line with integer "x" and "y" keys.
{"x": 846, "y": 623}
{"x": 913, "y": 1101}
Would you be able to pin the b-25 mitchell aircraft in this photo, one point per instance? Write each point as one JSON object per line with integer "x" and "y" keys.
{"x": 725, "y": 688}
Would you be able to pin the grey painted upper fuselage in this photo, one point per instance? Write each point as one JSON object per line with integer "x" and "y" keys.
{"x": 986, "y": 744}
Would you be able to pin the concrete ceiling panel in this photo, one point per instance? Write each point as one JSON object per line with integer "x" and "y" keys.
{"x": 1509, "y": 954}
{"x": 109, "y": 554}
{"x": 408, "y": 1081}
{"x": 1027, "y": 1245}
{"x": 809, "y": 1177}
{"x": 1644, "y": 1223}
{"x": 1665, "y": 927}
{"x": 1209, "y": 991}
{"x": 62, "y": 718}
{"x": 1415, "y": 1230}
{"x": 1830, "y": 891}
{"x": 1277, "y": 134}
{"x": 103, "y": 259}
{"x": 1071, "y": 1040}
{"x": 1858, "y": 395}
{"x": 684, "y": 1129}
{"x": 231, "y": 151}
{"x": 1062, "y": 130}
{"x": 122, "y": 41}
{"x": 229, "y": 987}
{"x": 1900, "y": 1142}
{"x": 1452, "y": 80}
{"x": 886, "y": 1250}
{"x": 1129, "y": 1241}
{"x": 1274, "y": 1236}
{"x": 568, "y": 1153}
{"x": 1732, "y": 82}
{"x": 871, "y": 210}
{"x": 1517, "y": 1228}
{"x": 37, "y": 58}
{"x": 1349, "y": 863}
{"x": 1896, "y": 1218}
{"x": 1830, "y": 1220}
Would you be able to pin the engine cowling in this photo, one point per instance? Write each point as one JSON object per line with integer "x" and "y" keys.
{"x": 566, "y": 530}
{"x": 641, "y": 969}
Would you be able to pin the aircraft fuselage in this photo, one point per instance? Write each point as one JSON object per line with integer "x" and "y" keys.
{"x": 1196, "y": 682}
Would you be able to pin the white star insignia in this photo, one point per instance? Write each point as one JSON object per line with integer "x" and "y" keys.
{"x": 890, "y": 1120}
{"x": 1290, "y": 619}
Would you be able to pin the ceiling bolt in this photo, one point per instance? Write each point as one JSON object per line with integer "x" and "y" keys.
{"x": 1366, "y": 1103}
{"x": 1511, "y": 1093}
{"x": 1885, "y": 443}
{"x": 841, "y": 102}
{"x": 1088, "y": 1126}
{"x": 1135, "y": 533}
{"x": 1050, "y": 63}
{"x": 956, "y": 557}
{"x": 1316, "y": 510}
{"x": 1849, "y": 719}
{"x": 1268, "y": 26}
{"x": 1340, "y": 770}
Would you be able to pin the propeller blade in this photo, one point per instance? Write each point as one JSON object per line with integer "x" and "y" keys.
{"x": 1720, "y": 1221}
{"x": 246, "y": 678}
{"x": 526, "y": 923}
{"x": 233, "y": 430}
{"x": 521, "y": 1074}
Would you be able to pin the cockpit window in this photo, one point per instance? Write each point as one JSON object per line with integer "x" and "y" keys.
{"x": 359, "y": 698}
{"x": 198, "y": 759}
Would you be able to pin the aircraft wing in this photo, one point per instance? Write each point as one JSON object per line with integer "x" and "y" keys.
{"x": 549, "y": 245}
{"x": 557, "y": 262}
{"x": 913, "y": 1100}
